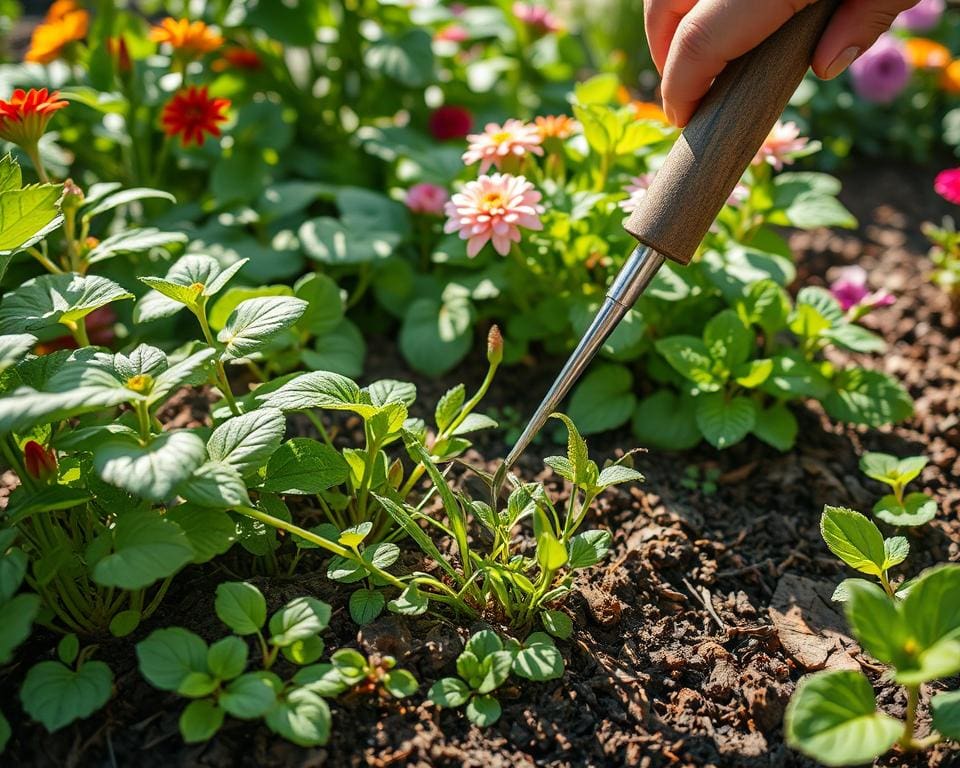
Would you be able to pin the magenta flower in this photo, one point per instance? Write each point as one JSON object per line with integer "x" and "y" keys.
{"x": 852, "y": 293}
{"x": 923, "y": 17}
{"x": 538, "y": 17}
{"x": 427, "y": 199}
{"x": 637, "y": 189}
{"x": 452, "y": 33}
{"x": 947, "y": 185}
{"x": 780, "y": 145}
{"x": 498, "y": 143}
{"x": 493, "y": 209}
{"x": 882, "y": 72}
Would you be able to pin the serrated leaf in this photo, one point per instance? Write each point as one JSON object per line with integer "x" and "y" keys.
{"x": 215, "y": 485}
{"x": 50, "y": 299}
{"x": 854, "y": 539}
{"x": 316, "y": 390}
{"x": 305, "y": 467}
{"x": 151, "y": 471}
{"x": 365, "y": 605}
{"x": 256, "y": 321}
{"x": 246, "y": 442}
{"x": 588, "y": 548}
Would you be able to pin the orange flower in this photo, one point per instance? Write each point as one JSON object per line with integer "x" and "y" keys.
{"x": 556, "y": 127}
{"x": 191, "y": 113}
{"x": 24, "y": 117}
{"x": 190, "y": 39}
{"x": 117, "y": 48}
{"x": 64, "y": 23}
{"x": 647, "y": 110}
{"x": 950, "y": 78}
{"x": 236, "y": 57}
{"x": 40, "y": 462}
{"x": 926, "y": 54}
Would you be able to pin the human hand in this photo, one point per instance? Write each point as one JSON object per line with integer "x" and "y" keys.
{"x": 693, "y": 40}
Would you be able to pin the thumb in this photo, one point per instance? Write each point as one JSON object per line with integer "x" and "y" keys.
{"x": 855, "y": 27}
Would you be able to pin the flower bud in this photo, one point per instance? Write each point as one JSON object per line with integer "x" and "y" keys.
{"x": 40, "y": 462}
{"x": 72, "y": 196}
{"x": 494, "y": 346}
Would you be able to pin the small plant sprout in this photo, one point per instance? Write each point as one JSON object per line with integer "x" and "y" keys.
{"x": 913, "y": 629}
{"x": 217, "y": 679}
{"x": 896, "y": 508}
{"x": 485, "y": 665}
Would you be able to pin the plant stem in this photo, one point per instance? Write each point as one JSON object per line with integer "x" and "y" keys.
{"x": 79, "y": 331}
{"x": 33, "y": 152}
{"x": 913, "y": 699}
{"x": 321, "y": 542}
{"x": 222, "y": 382}
{"x": 47, "y": 264}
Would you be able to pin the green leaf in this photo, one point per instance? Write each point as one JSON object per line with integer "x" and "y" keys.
{"x": 794, "y": 377}
{"x": 449, "y": 692}
{"x": 728, "y": 340}
{"x": 5, "y": 733}
{"x": 599, "y": 89}
{"x": 854, "y": 539}
{"x": 931, "y": 615}
{"x": 868, "y": 397}
{"x": 896, "y": 551}
{"x": 319, "y": 389}
{"x": 227, "y": 658}
{"x": 449, "y": 406}
{"x": 16, "y": 621}
{"x": 215, "y": 485}
{"x": 483, "y": 711}
{"x": 584, "y": 470}
{"x": 200, "y": 721}
{"x": 323, "y": 679}
{"x": 808, "y": 204}
{"x": 145, "y": 548}
{"x": 241, "y": 606}
{"x": 13, "y": 567}
{"x": 890, "y": 470}
{"x": 557, "y": 624}
{"x": 68, "y": 648}
{"x": 434, "y": 336}
{"x": 210, "y": 533}
{"x": 303, "y": 466}
{"x": 125, "y": 623}
{"x": 725, "y": 422}
{"x": 411, "y": 602}
{"x": 407, "y": 59}
{"x": 123, "y": 197}
{"x": 56, "y": 696}
{"x": 946, "y": 714}
{"x": 152, "y": 471}
{"x": 133, "y": 241}
{"x": 618, "y": 474}
{"x": 246, "y": 442}
{"x": 690, "y": 357}
{"x": 191, "y": 370}
{"x": 351, "y": 664}
{"x": 256, "y": 321}
{"x": 777, "y": 426}
{"x": 603, "y": 400}
{"x": 366, "y": 605}
{"x": 878, "y": 625}
{"x": 299, "y": 619}
{"x": 917, "y": 509}
{"x": 330, "y": 242}
{"x": 251, "y": 696}
{"x": 667, "y": 421}
{"x": 857, "y": 339}
{"x": 765, "y": 304}
{"x": 13, "y": 348}
{"x": 833, "y": 719}
{"x": 230, "y": 299}
{"x": 26, "y": 217}
{"x": 301, "y": 717}
{"x": 400, "y": 684}
{"x": 381, "y": 555}
{"x": 387, "y": 391}
{"x": 538, "y": 659}
{"x": 588, "y": 548}
{"x": 169, "y": 656}
{"x": 49, "y": 299}
{"x": 551, "y": 553}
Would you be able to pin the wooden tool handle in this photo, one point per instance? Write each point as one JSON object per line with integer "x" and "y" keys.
{"x": 724, "y": 135}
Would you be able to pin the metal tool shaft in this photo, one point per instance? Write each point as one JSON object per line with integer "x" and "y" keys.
{"x": 631, "y": 281}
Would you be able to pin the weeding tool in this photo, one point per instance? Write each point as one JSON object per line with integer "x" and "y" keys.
{"x": 691, "y": 187}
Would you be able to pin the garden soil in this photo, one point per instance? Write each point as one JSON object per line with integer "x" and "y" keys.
{"x": 689, "y": 640}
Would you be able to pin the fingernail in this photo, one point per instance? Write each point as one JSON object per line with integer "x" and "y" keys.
{"x": 843, "y": 60}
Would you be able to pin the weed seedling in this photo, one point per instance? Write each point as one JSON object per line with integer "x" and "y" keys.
{"x": 896, "y": 508}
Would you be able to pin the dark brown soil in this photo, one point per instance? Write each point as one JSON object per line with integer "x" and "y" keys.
{"x": 690, "y": 639}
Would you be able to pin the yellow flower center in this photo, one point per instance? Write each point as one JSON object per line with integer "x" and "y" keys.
{"x": 502, "y": 136}
{"x": 493, "y": 200}
{"x": 142, "y": 383}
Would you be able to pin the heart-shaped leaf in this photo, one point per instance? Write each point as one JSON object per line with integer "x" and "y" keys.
{"x": 56, "y": 695}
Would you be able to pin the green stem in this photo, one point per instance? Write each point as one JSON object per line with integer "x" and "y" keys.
{"x": 78, "y": 330}
{"x": 222, "y": 382}
{"x": 33, "y": 152}
{"x": 913, "y": 699}
{"x": 143, "y": 420}
{"x": 318, "y": 425}
{"x": 321, "y": 542}
{"x": 47, "y": 264}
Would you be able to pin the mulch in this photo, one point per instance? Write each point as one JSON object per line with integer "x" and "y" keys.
{"x": 689, "y": 640}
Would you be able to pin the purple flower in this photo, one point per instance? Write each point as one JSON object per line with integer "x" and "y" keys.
{"x": 923, "y": 17}
{"x": 882, "y": 72}
{"x": 851, "y": 292}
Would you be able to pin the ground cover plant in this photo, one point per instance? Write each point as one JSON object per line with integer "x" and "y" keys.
{"x": 280, "y": 282}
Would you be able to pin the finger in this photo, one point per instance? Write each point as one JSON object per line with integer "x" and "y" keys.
{"x": 855, "y": 27}
{"x": 712, "y": 34}
{"x": 660, "y": 18}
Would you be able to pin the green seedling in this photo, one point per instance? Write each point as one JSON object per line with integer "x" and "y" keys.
{"x": 705, "y": 481}
{"x": 485, "y": 665}
{"x": 349, "y": 671}
{"x": 897, "y": 508}
{"x": 913, "y": 629}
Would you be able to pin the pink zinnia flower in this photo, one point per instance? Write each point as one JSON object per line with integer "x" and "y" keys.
{"x": 637, "y": 189}
{"x": 494, "y": 208}
{"x": 783, "y": 141}
{"x": 923, "y": 17}
{"x": 537, "y": 17}
{"x": 427, "y": 199}
{"x": 514, "y": 138}
{"x": 947, "y": 185}
{"x": 882, "y": 72}
{"x": 851, "y": 291}
{"x": 450, "y": 122}
{"x": 452, "y": 33}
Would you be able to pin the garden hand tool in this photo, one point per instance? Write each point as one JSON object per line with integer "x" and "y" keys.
{"x": 695, "y": 181}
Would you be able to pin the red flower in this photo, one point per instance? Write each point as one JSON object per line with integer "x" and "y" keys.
{"x": 236, "y": 57}
{"x": 450, "y": 123}
{"x": 947, "y": 185}
{"x": 191, "y": 113}
{"x": 40, "y": 463}
{"x": 24, "y": 117}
